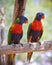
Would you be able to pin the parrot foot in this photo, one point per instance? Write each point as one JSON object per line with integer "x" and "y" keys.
{"x": 21, "y": 44}
{"x": 39, "y": 42}
{"x": 14, "y": 45}
{"x": 30, "y": 45}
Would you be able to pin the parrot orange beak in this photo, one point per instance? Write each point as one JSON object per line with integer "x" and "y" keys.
{"x": 26, "y": 22}
{"x": 43, "y": 17}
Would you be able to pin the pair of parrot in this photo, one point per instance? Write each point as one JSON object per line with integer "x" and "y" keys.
{"x": 34, "y": 32}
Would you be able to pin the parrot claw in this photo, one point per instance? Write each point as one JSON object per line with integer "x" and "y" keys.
{"x": 14, "y": 45}
{"x": 21, "y": 44}
{"x": 39, "y": 43}
{"x": 30, "y": 45}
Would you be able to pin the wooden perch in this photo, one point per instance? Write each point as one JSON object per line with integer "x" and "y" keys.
{"x": 21, "y": 48}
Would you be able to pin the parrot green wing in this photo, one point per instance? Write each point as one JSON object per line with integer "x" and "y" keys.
{"x": 11, "y": 56}
{"x": 28, "y": 31}
{"x": 9, "y": 37}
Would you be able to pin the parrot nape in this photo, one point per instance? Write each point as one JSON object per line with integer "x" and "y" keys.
{"x": 35, "y": 31}
{"x": 15, "y": 34}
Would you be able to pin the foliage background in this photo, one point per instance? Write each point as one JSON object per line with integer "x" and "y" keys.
{"x": 32, "y": 7}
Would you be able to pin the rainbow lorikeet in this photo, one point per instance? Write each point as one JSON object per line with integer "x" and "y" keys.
{"x": 15, "y": 33}
{"x": 35, "y": 31}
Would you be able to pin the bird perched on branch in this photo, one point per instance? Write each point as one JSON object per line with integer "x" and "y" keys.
{"x": 16, "y": 32}
{"x": 35, "y": 31}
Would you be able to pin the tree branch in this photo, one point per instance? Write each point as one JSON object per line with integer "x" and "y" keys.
{"x": 22, "y": 48}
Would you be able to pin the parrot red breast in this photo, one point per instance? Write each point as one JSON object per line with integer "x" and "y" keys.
{"x": 35, "y": 31}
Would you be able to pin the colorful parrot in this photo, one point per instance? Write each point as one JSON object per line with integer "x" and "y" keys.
{"x": 35, "y": 31}
{"x": 15, "y": 34}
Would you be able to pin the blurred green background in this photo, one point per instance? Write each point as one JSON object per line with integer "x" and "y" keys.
{"x": 32, "y": 7}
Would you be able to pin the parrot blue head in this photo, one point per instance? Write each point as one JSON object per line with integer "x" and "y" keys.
{"x": 21, "y": 20}
{"x": 39, "y": 16}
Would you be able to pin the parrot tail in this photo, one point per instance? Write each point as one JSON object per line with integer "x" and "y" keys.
{"x": 11, "y": 59}
{"x": 29, "y": 55}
